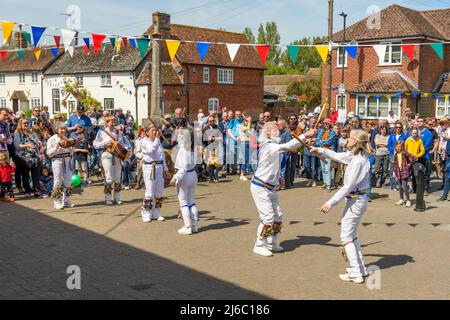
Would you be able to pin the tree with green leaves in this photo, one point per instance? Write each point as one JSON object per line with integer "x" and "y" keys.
{"x": 270, "y": 35}
{"x": 249, "y": 35}
{"x": 307, "y": 58}
{"x": 82, "y": 95}
{"x": 307, "y": 92}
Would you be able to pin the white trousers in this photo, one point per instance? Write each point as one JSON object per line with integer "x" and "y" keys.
{"x": 351, "y": 218}
{"x": 186, "y": 188}
{"x": 153, "y": 189}
{"x": 62, "y": 176}
{"x": 113, "y": 173}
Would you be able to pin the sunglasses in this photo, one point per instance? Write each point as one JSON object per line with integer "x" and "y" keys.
{"x": 398, "y": 127}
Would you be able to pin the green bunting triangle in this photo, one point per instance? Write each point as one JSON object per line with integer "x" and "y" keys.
{"x": 113, "y": 42}
{"x": 27, "y": 36}
{"x": 20, "y": 54}
{"x": 103, "y": 47}
{"x": 439, "y": 48}
{"x": 293, "y": 52}
{"x": 143, "y": 46}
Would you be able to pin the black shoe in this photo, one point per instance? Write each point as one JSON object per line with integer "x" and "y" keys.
{"x": 442, "y": 199}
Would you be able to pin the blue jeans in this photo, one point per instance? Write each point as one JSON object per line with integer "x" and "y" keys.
{"x": 326, "y": 172}
{"x": 392, "y": 179}
{"x": 284, "y": 162}
{"x": 244, "y": 157}
{"x": 311, "y": 163}
{"x": 292, "y": 167}
{"x": 447, "y": 179}
{"x": 125, "y": 173}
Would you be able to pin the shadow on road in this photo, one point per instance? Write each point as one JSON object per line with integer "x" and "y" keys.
{"x": 291, "y": 245}
{"x": 36, "y": 250}
{"x": 387, "y": 261}
{"x": 229, "y": 223}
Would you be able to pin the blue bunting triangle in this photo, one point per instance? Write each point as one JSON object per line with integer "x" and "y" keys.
{"x": 87, "y": 41}
{"x": 202, "y": 48}
{"x": 54, "y": 52}
{"x": 37, "y": 34}
{"x": 133, "y": 43}
{"x": 351, "y": 50}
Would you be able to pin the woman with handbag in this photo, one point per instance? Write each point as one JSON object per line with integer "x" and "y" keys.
{"x": 59, "y": 150}
{"x": 27, "y": 151}
{"x": 110, "y": 162}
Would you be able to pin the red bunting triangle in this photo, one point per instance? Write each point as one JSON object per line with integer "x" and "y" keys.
{"x": 98, "y": 40}
{"x": 57, "y": 40}
{"x": 409, "y": 50}
{"x": 86, "y": 49}
{"x": 3, "y": 53}
{"x": 124, "y": 40}
{"x": 263, "y": 50}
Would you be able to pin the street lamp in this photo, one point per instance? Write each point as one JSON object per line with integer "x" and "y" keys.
{"x": 343, "y": 15}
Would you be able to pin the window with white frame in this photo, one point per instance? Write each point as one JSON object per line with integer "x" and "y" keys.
{"x": 56, "y": 102}
{"x": 2, "y": 102}
{"x": 34, "y": 77}
{"x": 2, "y": 78}
{"x": 225, "y": 76}
{"x": 109, "y": 104}
{"x": 35, "y": 103}
{"x": 71, "y": 106}
{"x": 213, "y": 104}
{"x": 442, "y": 107}
{"x": 341, "y": 101}
{"x": 205, "y": 75}
{"x": 79, "y": 79}
{"x": 22, "y": 77}
{"x": 393, "y": 53}
{"x": 106, "y": 80}
{"x": 373, "y": 108}
{"x": 341, "y": 57}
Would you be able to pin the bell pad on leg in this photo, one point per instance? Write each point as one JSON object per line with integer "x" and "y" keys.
{"x": 266, "y": 231}
{"x": 147, "y": 204}
{"x": 117, "y": 187}
{"x": 57, "y": 193}
{"x": 158, "y": 202}
{"x": 277, "y": 227}
{"x": 108, "y": 188}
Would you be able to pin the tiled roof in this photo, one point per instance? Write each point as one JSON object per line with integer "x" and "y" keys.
{"x": 29, "y": 62}
{"x": 314, "y": 71}
{"x": 272, "y": 80}
{"x": 168, "y": 75}
{"x": 391, "y": 82}
{"x": 277, "y": 90}
{"x": 400, "y": 22}
{"x": 19, "y": 95}
{"x": 247, "y": 57}
{"x": 126, "y": 60}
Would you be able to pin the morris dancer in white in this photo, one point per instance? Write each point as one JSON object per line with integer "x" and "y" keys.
{"x": 59, "y": 149}
{"x": 154, "y": 170}
{"x": 185, "y": 180}
{"x": 110, "y": 163}
{"x": 356, "y": 182}
{"x": 263, "y": 187}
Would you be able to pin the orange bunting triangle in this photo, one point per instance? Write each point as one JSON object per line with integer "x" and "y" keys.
{"x": 37, "y": 53}
{"x": 172, "y": 46}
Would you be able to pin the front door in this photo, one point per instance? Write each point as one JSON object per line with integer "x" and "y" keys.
{"x": 15, "y": 105}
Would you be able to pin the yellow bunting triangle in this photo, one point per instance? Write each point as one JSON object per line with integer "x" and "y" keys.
{"x": 7, "y": 28}
{"x": 446, "y": 96}
{"x": 323, "y": 52}
{"x": 119, "y": 44}
{"x": 37, "y": 53}
{"x": 426, "y": 94}
{"x": 172, "y": 46}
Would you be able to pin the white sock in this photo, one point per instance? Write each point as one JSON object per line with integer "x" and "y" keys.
{"x": 194, "y": 214}
{"x": 186, "y": 216}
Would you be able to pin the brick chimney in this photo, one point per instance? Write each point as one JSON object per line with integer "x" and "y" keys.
{"x": 161, "y": 30}
{"x": 19, "y": 41}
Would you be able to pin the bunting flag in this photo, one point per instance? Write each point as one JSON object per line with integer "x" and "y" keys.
{"x": 37, "y": 53}
{"x": 98, "y": 40}
{"x": 293, "y": 52}
{"x": 67, "y": 38}
{"x": 3, "y": 53}
{"x": 124, "y": 41}
{"x": 380, "y": 49}
{"x": 103, "y": 47}
{"x": 27, "y": 37}
{"x": 20, "y": 54}
{"x": 57, "y": 41}
{"x": 119, "y": 44}
{"x": 439, "y": 49}
{"x": 409, "y": 50}
{"x": 202, "y": 48}
{"x": 87, "y": 45}
{"x": 172, "y": 46}
{"x": 263, "y": 50}
{"x": 7, "y": 28}
{"x": 142, "y": 44}
{"x": 132, "y": 43}
{"x": 37, "y": 34}
{"x": 71, "y": 49}
{"x": 54, "y": 52}
{"x": 352, "y": 50}
{"x": 323, "y": 51}
{"x": 233, "y": 49}
{"x": 113, "y": 42}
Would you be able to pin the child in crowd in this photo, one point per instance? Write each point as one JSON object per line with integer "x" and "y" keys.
{"x": 81, "y": 151}
{"x": 342, "y": 147}
{"x": 6, "y": 171}
{"x": 46, "y": 182}
{"x": 402, "y": 170}
{"x": 214, "y": 166}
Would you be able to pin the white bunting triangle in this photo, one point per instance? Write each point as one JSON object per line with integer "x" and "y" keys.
{"x": 71, "y": 50}
{"x": 67, "y": 38}
{"x": 233, "y": 49}
{"x": 380, "y": 49}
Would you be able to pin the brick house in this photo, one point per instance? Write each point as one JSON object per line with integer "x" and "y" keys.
{"x": 373, "y": 85}
{"x": 194, "y": 84}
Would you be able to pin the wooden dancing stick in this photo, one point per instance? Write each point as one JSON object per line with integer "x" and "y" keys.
{"x": 160, "y": 132}
{"x": 307, "y": 146}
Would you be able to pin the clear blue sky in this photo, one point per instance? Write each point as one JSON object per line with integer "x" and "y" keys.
{"x": 295, "y": 18}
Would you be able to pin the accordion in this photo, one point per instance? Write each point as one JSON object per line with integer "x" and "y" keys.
{"x": 67, "y": 143}
{"x": 118, "y": 150}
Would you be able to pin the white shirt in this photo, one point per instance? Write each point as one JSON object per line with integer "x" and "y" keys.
{"x": 53, "y": 148}
{"x": 392, "y": 120}
{"x": 269, "y": 164}
{"x": 102, "y": 139}
{"x": 138, "y": 148}
{"x": 184, "y": 161}
{"x": 152, "y": 150}
{"x": 357, "y": 174}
